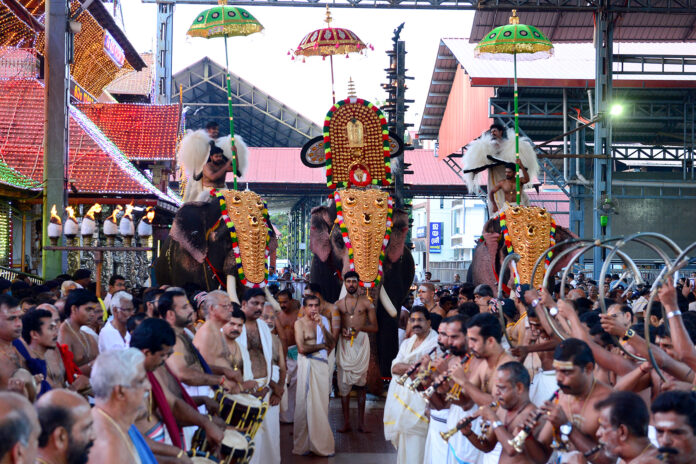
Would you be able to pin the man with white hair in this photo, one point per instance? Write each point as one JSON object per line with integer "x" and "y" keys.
{"x": 114, "y": 335}
{"x": 19, "y": 429}
{"x": 119, "y": 383}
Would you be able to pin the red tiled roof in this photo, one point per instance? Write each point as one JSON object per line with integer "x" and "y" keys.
{"x": 141, "y": 132}
{"x": 93, "y": 169}
{"x": 130, "y": 82}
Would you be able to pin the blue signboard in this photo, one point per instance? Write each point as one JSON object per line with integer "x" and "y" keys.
{"x": 436, "y": 237}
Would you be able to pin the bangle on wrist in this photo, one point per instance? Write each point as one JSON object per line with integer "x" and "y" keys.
{"x": 672, "y": 314}
{"x": 628, "y": 334}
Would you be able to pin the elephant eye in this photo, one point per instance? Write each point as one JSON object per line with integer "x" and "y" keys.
{"x": 259, "y": 204}
{"x": 350, "y": 200}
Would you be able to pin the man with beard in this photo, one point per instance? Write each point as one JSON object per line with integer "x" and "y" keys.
{"x": 186, "y": 363}
{"x": 674, "y": 417}
{"x": 80, "y": 307}
{"x": 256, "y": 342}
{"x": 508, "y": 185}
{"x": 358, "y": 318}
{"x": 312, "y": 431}
{"x": 210, "y": 340}
{"x": 405, "y": 421}
{"x": 623, "y": 429}
{"x": 232, "y": 330}
{"x": 571, "y": 419}
{"x": 286, "y": 331}
{"x": 512, "y": 395}
{"x": 67, "y": 431}
{"x": 40, "y": 335}
{"x": 215, "y": 170}
{"x": 162, "y": 423}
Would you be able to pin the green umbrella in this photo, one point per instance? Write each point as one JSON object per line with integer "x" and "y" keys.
{"x": 508, "y": 41}
{"x": 225, "y": 21}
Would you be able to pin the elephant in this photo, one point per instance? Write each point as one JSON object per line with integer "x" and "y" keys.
{"x": 489, "y": 253}
{"x": 331, "y": 261}
{"x": 199, "y": 248}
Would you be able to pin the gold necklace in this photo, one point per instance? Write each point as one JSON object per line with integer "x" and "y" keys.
{"x": 641, "y": 453}
{"x": 126, "y": 438}
{"x": 80, "y": 339}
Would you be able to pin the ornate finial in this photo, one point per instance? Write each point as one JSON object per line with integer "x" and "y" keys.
{"x": 351, "y": 88}
{"x": 328, "y": 16}
{"x": 514, "y": 19}
{"x": 222, "y": 2}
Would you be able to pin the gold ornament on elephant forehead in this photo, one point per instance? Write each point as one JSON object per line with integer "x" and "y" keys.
{"x": 246, "y": 209}
{"x": 529, "y": 228}
{"x": 365, "y": 218}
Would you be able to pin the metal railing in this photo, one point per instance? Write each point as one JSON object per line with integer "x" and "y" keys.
{"x": 11, "y": 274}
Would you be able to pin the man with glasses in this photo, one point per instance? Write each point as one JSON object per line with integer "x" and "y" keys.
{"x": 114, "y": 335}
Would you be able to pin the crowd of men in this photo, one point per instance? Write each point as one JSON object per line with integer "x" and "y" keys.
{"x": 131, "y": 377}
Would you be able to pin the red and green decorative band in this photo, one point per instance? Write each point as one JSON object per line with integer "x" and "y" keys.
{"x": 235, "y": 243}
{"x": 552, "y": 242}
{"x": 386, "y": 149}
{"x": 349, "y": 245}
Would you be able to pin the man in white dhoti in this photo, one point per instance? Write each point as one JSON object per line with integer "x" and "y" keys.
{"x": 312, "y": 431}
{"x": 358, "y": 318}
{"x": 405, "y": 421}
{"x": 256, "y": 345}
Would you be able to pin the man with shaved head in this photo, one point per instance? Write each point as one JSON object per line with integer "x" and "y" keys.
{"x": 19, "y": 430}
{"x": 67, "y": 431}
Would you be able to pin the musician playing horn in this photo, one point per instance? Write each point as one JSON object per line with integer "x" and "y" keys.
{"x": 571, "y": 422}
{"x": 512, "y": 395}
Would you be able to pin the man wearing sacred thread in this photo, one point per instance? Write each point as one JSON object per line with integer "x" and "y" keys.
{"x": 494, "y": 151}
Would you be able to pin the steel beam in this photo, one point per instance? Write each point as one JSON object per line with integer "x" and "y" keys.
{"x": 163, "y": 57}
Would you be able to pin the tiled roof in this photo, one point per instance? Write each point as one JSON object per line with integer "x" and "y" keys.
{"x": 141, "y": 132}
{"x": 96, "y": 166}
{"x": 129, "y": 82}
{"x": 9, "y": 176}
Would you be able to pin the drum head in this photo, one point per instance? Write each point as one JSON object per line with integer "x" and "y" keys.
{"x": 235, "y": 440}
{"x": 198, "y": 457}
{"x": 244, "y": 399}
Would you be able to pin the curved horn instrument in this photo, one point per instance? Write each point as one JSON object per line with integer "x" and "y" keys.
{"x": 430, "y": 391}
{"x": 414, "y": 367}
{"x": 518, "y": 441}
{"x": 592, "y": 451}
{"x": 462, "y": 423}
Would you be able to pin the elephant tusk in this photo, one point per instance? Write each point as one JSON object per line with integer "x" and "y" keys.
{"x": 271, "y": 300}
{"x": 386, "y": 302}
{"x": 232, "y": 289}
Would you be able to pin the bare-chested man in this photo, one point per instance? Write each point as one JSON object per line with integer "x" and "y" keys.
{"x": 312, "y": 431}
{"x": 512, "y": 395}
{"x": 232, "y": 330}
{"x": 426, "y": 293}
{"x": 210, "y": 340}
{"x": 483, "y": 335}
{"x": 286, "y": 331}
{"x": 571, "y": 420}
{"x": 10, "y": 330}
{"x": 257, "y": 341}
{"x": 508, "y": 185}
{"x": 186, "y": 362}
{"x": 358, "y": 318}
{"x": 216, "y": 169}
{"x": 80, "y": 308}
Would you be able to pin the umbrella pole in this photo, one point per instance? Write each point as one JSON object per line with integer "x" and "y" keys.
{"x": 518, "y": 190}
{"x": 229, "y": 112}
{"x": 333, "y": 90}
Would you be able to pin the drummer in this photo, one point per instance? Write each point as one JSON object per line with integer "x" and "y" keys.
{"x": 256, "y": 342}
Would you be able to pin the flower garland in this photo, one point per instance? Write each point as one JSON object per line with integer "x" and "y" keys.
{"x": 552, "y": 242}
{"x": 508, "y": 242}
{"x": 386, "y": 149}
{"x": 349, "y": 246}
{"x": 235, "y": 243}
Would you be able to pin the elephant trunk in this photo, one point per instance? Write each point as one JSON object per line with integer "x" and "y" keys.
{"x": 271, "y": 300}
{"x": 232, "y": 289}
{"x": 386, "y": 302}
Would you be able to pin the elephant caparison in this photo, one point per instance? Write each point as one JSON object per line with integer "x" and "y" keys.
{"x": 330, "y": 262}
{"x": 198, "y": 242}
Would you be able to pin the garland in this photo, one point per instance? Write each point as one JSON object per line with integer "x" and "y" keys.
{"x": 386, "y": 149}
{"x": 508, "y": 242}
{"x": 349, "y": 246}
{"x": 235, "y": 243}
{"x": 552, "y": 242}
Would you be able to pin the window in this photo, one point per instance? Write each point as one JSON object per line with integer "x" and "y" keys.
{"x": 456, "y": 221}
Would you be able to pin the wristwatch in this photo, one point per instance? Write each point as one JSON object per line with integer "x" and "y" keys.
{"x": 629, "y": 333}
{"x": 565, "y": 430}
{"x": 496, "y": 424}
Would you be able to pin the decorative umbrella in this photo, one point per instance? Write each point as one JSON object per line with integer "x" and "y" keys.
{"x": 225, "y": 21}
{"x": 330, "y": 41}
{"x": 515, "y": 39}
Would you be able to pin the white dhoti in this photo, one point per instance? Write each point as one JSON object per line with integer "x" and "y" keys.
{"x": 492, "y": 457}
{"x": 267, "y": 445}
{"x": 542, "y": 387}
{"x": 312, "y": 431}
{"x": 405, "y": 421}
{"x": 459, "y": 448}
{"x": 332, "y": 369}
{"x": 287, "y": 404}
{"x": 435, "y": 447}
{"x": 352, "y": 362}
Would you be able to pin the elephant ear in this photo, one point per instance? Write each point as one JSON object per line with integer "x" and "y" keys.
{"x": 190, "y": 227}
{"x": 320, "y": 227}
{"x": 395, "y": 248}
